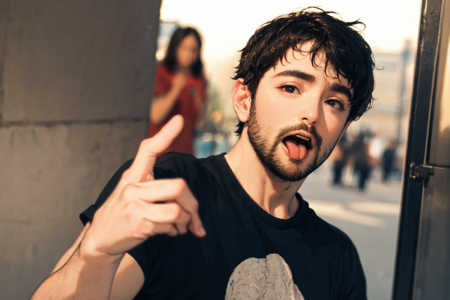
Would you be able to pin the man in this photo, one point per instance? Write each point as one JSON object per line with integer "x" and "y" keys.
{"x": 301, "y": 80}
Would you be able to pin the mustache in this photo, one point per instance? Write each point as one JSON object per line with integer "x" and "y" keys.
{"x": 301, "y": 126}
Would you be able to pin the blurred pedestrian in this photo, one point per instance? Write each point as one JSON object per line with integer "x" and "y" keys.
{"x": 388, "y": 160}
{"x": 362, "y": 160}
{"x": 180, "y": 89}
{"x": 339, "y": 157}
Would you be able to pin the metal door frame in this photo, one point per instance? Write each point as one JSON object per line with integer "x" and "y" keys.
{"x": 417, "y": 148}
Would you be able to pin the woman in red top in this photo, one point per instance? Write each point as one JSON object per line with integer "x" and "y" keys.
{"x": 180, "y": 89}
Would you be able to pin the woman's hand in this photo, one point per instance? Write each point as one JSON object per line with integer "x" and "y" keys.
{"x": 179, "y": 80}
{"x": 162, "y": 105}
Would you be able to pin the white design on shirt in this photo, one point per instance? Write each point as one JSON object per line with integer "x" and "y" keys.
{"x": 262, "y": 278}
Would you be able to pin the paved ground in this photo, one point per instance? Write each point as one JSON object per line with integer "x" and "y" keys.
{"x": 370, "y": 218}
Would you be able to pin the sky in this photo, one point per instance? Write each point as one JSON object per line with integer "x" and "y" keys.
{"x": 227, "y": 25}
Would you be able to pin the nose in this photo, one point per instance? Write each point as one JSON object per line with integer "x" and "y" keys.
{"x": 310, "y": 111}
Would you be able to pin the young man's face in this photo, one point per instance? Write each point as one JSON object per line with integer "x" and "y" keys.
{"x": 298, "y": 115}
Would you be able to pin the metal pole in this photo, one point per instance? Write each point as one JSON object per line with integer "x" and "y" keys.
{"x": 406, "y": 53}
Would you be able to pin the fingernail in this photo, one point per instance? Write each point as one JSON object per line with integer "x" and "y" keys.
{"x": 201, "y": 231}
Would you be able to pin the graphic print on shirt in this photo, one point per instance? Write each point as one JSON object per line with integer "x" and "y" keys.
{"x": 262, "y": 278}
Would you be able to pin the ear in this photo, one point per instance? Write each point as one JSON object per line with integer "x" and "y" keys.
{"x": 242, "y": 100}
{"x": 344, "y": 130}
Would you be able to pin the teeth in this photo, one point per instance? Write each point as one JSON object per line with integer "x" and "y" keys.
{"x": 303, "y": 137}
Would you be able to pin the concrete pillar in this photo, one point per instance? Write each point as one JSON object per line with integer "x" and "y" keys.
{"x": 75, "y": 86}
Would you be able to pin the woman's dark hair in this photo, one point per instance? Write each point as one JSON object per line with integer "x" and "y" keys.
{"x": 342, "y": 42}
{"x": 170, "y": 60}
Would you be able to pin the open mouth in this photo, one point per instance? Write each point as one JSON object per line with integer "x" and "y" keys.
{"x": 297, "y": 146}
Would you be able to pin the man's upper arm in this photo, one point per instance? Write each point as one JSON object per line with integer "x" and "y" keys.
{"x": 128, "y": 280}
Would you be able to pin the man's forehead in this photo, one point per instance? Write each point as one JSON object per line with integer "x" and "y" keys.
{"x": 305, "y": 56}
{"x": 303, "y": 61}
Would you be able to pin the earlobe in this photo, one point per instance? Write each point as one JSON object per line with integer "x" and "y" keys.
{"x": 242, "y": 100}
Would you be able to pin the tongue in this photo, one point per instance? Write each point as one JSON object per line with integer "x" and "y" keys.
{"x": 297, "y": 152}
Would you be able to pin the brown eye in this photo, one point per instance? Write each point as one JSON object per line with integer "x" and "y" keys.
{"x": 335, "y": 104}
{"x": 290, "y": 89}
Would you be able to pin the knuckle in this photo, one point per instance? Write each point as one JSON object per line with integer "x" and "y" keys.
{"x": 126, "y": 174}
{"x": 131, "y": 215}
{"x": 130, "y": 210}
{"x": 139, "y": 230}
{"x": 195, "y": 205}
{"x": 172, "y": 232}
{"x": 149, "y": 229}
{"x": 182, "y": 229}
{"x": 179, "y": 185}
{"x": 144, "y": 144}
{"x": 129, "y": 190}
{"x": 172, "y": 212}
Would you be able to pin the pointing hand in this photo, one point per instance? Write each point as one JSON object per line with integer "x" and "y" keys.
{"x": 140, "y": 206}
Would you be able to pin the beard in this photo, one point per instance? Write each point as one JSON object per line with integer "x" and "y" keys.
{"x": 295, "y": 170}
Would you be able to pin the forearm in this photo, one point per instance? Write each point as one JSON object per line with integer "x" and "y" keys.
{"x": 161, "y": 106}
{"x": 82, "y": 277}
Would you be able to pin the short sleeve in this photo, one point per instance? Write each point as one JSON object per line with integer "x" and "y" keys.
{"x": 162, "y": 81}
{"x": 353, "y": 281}
{"x": 88, "y": 214}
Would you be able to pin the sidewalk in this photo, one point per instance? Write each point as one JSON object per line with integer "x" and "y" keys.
{"x": 370, "y": 218}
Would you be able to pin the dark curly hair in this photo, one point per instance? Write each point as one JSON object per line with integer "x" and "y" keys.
{"x": 170, "y": 60}
{"x": 342, "y": 42}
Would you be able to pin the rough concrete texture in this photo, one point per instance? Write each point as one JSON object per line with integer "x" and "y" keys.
{"x": 63, "y": 57}
{"x": 75, "y": 85}
{"x": 49, "y": 176}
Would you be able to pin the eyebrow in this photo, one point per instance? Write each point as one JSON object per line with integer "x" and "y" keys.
{"x": 339, "y": 88}
{"x": 335, "y": 87}
{"x": 298, "y": 74}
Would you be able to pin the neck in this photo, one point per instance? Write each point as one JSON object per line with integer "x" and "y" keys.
{"x": 179, "y": 68}
{"x": 273, "y": 194}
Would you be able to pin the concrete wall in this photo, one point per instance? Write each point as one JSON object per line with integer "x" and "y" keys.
{"x": 75, "y": 84}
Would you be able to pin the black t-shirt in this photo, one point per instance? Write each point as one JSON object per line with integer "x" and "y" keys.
{"x": 247, "y": 252}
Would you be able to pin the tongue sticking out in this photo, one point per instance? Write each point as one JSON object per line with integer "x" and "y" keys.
{"x": 297, "y": 152}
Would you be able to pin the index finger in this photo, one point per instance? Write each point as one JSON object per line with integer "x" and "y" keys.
{"x": 142, "y": 167}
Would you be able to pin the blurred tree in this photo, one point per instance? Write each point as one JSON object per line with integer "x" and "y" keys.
{"x": 214, "y": 98}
